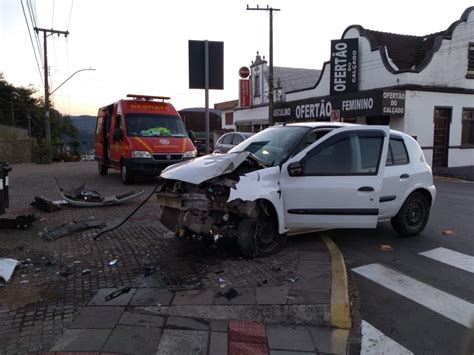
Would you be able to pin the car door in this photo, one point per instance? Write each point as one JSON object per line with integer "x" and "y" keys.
{"x": 336, "y": 182}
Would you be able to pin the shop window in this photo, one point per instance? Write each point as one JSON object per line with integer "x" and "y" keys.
{"x": 229, "y": 118}
{"x": 467, "y": 134}
{"x": 470, "y": 61}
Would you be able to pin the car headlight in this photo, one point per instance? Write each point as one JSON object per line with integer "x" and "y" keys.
{"x": 189, "y": 154}
{"x": 140, "y": 154}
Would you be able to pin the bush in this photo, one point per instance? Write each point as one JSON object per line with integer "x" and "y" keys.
{"x": 42, "y": 153}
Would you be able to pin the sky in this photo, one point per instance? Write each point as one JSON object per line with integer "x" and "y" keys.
{"x": 141, "y": 46}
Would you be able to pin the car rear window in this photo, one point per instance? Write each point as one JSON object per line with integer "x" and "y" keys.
{"x": 397, "y": 153}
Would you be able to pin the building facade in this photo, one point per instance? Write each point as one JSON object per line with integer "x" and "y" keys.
{"x": 421, "y": 85}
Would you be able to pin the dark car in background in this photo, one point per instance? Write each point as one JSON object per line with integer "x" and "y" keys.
{"x": 229, "y": 140}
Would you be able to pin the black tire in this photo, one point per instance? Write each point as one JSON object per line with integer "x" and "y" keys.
{"x": 259, "y": 237}
{"x": 126, "y": 175}
{"x": 413, "y": 215}
{"x": 103, "y": 170}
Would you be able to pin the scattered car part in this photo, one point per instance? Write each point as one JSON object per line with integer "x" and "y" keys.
{"x": 69, "y": 228}
{"x": 20, "y": 222}
{"x": 117, "y": 293}
{"x": 7, "y": 266}
{"x": 82, "y": 197}
{"x": 113, "y": 262}
{"x": 44, "y": 205}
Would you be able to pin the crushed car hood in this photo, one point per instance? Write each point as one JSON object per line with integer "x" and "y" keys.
{"x": 204, "y": 168}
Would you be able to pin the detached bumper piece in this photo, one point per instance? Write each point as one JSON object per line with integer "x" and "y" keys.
{"x": 69, "y": 228}
{"x": 82, "y": 197}
{"x": 20, "y": 222}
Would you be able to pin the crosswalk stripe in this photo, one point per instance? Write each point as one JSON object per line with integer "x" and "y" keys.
{"x": 376, "y": 342}
{"x": 439, "y": 301}
{"x": 451, "y": 257}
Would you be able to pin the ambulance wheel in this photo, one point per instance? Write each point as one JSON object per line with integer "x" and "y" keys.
{"x": 103, "y": 170}
{"x": 127, "y": 177}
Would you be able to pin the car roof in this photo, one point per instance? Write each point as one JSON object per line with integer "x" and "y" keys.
{"x": 336, "y": 125}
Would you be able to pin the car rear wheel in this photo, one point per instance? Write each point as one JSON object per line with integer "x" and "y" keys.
{"x": 126, "y": 175}
{"x": 413, "y": 215}
{"x": 103, "y": 170}
{"x": 259, "y": 237}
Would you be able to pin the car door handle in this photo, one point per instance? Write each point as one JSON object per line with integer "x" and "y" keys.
{"x": 366, "y": 189}
{"x": 404, "y": 176}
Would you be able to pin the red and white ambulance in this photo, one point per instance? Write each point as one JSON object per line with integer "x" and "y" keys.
{"x": 140, "y": 136}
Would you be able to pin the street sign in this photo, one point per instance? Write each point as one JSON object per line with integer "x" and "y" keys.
{"x": 244, "y": 72}
{"x": 335, "y": 116}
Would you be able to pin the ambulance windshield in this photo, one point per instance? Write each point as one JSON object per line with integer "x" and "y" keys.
{"x": 154, "y": 125}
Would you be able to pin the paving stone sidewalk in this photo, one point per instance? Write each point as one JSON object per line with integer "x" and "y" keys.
{"x": 178, "y": 292}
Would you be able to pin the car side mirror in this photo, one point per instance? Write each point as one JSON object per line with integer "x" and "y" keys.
{"x": 296, "y": 169}
{"x": 118, "y": 135}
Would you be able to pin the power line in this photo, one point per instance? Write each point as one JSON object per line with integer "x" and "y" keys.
{"x": 70, "y": 14}
{"x": 31, "y": 40}
{"x": 52, "y": 20}
{"x": 33, "y": 24}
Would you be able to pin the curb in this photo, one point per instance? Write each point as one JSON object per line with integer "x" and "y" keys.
{"x": 340, "y": 310}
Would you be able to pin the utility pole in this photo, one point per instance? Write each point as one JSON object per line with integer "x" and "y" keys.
{"x": 47, "y": 123}
{"x": 270, "y": 75}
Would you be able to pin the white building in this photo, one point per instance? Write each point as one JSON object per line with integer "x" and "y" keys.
{"x": 421, "y": 85}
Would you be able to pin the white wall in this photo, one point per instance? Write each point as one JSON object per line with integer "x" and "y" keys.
{"x": 447, "y": 68}
{"x": 419, "y": 121}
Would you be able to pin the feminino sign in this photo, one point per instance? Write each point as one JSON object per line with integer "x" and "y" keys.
{"x": 344, "y": 62}
{"x": 367, "y": 103}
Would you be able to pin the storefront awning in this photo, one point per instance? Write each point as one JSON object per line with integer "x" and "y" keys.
{"x": 379, "y": 102}
{"x": 255, "y": 121}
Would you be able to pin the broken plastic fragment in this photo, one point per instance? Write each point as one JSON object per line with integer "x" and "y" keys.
{"x": 385, "y": 247}
{"x": 7, "y": 266}
{"x": 113, "y": 262}
{"x": 448, "y": 232}
{"x": 293, "y": 280}
{"x": 86, "y": 271}
{"x": 221, "y": 280}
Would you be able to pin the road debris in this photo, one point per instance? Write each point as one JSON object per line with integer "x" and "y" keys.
{"x": 448, "y": 232}
{"x": 117, "y": 293}
{"x": 113, "y": 262}
{"x": 82, "y": 197}
{"x": 7, "y": 266}
{"x": 221, "y": 280}
{"x": 385, "y": 247}
{"x": 86, "y": 271}
{"x": 149, "y": 270}
{"x": 44, "y": 205}
{"x": 69, "y": 228}
{"x": 230, "y": 294}
{"x": 293, "y": 279}
{"x": 20, "y": 222}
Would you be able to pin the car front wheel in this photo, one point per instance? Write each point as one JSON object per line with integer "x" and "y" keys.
{"x": 126, "y": 176}
{"x": 413, "y": 215}
{"x": 103, "y": 170}
{"x": 259, "y": 237}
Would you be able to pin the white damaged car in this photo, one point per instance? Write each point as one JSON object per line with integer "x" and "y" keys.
{"x": 297, "y": 178}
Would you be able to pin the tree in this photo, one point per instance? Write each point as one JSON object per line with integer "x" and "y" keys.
{"x": 19, "y": 104}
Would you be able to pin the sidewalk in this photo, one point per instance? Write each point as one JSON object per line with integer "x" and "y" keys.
{"x": 288, "y": 319}
{"x": 181, "y": 296}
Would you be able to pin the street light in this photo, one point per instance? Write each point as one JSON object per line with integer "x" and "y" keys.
{"x": 47, "y": 94}
{"x": 52, "y": 92}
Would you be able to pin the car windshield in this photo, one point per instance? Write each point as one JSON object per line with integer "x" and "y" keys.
{"x": 152, "y": 125}
{"x": 272, "y": 145}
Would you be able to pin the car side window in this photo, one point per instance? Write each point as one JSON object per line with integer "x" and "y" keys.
{"x": 310, "y": 139}
{"x": 237, "y": 139}
{"x": 350, "y": 154}
{"x": 397, "y": 153}
{"x": 227, "y": 139}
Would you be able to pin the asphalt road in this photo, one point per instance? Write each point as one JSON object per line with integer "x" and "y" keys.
{"x": 420, "y": 304}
